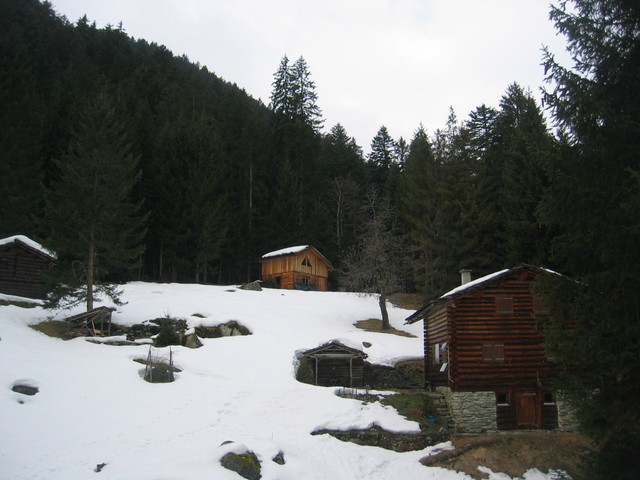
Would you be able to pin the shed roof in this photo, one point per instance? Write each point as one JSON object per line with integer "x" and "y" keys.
{"x": 334, "y": 349}
{"x": 293, "y": 250}
{"x": 286, "y": 251}
{"x": 471, "y": 286}
{"x": 27, "y": 242}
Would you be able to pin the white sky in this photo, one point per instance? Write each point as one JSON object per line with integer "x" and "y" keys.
{"x": 375, "y": 62}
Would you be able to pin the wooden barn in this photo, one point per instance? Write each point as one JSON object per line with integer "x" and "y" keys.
{"x": 484, "y": 352}
{"x": 335, "y": 364}
{"x": 21, "y": 262}
{"x": 300, "y": 268}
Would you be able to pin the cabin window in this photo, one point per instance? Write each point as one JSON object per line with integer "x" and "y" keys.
{"x": 306, "y": 262}
{"x": 493, "y": 352}
{"x": 4, "y": 263}
{"x": 549, "y": 398}
{"x": 504, "y": 305}
{"x": 439, "y": 353}
{"x": 502, "y": 398}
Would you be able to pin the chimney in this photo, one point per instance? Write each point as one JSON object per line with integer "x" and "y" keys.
{"x": 465, "y": 275}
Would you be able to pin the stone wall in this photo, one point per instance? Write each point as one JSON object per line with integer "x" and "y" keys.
{"x": 378, "y": 437}
{"x": 567, "y": 421}
{"x": 471, "y": 412}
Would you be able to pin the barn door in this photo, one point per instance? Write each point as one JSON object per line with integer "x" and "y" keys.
{"x": 527, "y": 411}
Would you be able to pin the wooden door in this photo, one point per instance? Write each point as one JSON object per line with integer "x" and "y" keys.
{"x": 527, "y": 410}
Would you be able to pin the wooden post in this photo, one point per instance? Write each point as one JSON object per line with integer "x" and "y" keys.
{"x": 316, "y": 370}
{"x": 350, "y": 372}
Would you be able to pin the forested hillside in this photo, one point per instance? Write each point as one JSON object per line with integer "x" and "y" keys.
{"x": 224, "y": 178}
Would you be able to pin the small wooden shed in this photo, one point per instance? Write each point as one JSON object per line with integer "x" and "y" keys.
{"x": 300, "y": 268}
{"x": 336, "y": 364}
{"x": 21, "y": 263}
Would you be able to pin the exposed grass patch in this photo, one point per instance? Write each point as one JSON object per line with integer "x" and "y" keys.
{"x": 514, "y": 454}
{"x": 18, "y": 303}
{"x": 53, "y": 328}
{"x": 416, "y": 407}
{"x": 375, "y": 325}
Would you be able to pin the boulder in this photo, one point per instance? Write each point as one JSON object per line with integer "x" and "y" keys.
{"x": 279, "y": 458}
{"x": 246, "y": 465}
{"x": 255, "y": 285}
{"x": 191, "y": 341}
{"x": 25, "y": 389}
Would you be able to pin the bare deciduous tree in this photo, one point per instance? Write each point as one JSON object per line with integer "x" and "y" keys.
{"x": 375, "y": 265}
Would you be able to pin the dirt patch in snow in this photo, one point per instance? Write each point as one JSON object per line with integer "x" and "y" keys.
{"x": 375, "y": 325}
{"x": 513, "y": 454}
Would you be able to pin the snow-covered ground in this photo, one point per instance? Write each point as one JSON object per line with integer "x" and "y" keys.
{"x": 93, "y": 407}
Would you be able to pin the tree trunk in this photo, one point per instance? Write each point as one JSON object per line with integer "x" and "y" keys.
{"x": 90, "y": 271}
{"x": 382, "y": 300}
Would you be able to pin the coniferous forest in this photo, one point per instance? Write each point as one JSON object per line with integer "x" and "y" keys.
{"x": 184, "y": 177}
{"x": 217, "y": 178}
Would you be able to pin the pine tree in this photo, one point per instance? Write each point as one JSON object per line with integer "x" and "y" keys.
{"x": 281, "y": 93}
{"x": 93, "y": 224}
{"x": 381, "y": 162}
{"x": 421, "y": 209}
{"x": 524, "y": 146}
{"x": 594, "y": 206}
{"x": 294, "y": 94}
{"x": 303, "y": 92}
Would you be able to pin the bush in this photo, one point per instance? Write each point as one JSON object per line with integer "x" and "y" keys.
{"x": 167, "y": 335}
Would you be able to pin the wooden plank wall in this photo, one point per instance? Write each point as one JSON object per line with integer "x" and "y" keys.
{"x": 291, "y": 270}
{"x": 20, "y": 272}
{"x": 506, "y": 416}
{"x": 335, "y": 372}
{"x": 475, "y": 322}
{"x": 436, "y": 332}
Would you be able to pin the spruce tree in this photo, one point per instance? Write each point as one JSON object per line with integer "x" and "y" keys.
{"x": 93, "y": 224}
{"x": 421, "y": 210}
{"x": 594, "y": 205}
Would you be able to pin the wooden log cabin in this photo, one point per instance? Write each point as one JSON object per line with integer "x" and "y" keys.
{"x": 300, "y": 268}
{"x": 21, "y": 263}
{"x": 484, "y": 352}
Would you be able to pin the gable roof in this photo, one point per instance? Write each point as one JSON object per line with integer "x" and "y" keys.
{"x": 29, "y": 244}
{"x": 286, "y": 251}
{"x": 334, "y": 349}
{"x": 492, "y": 278}
{"x": 293, "y": 250}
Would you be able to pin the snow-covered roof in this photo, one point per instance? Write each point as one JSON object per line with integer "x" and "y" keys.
{"x": 473, "y": 283}
{"x": 29, "y": 243}
{"x": 420, "y": 314}
{"x": 286, "y": 251}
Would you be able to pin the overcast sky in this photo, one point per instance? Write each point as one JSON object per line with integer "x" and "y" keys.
{"x": 396, "y": 63}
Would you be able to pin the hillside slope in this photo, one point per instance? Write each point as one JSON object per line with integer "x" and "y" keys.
{"x": 93, "y": 407}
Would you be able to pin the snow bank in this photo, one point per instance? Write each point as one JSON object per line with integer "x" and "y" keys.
{"x": 93, "y": 407}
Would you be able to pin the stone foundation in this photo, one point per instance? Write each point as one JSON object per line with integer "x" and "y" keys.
{"x": 471, "y": 412}
{"x": 567, "y": 421}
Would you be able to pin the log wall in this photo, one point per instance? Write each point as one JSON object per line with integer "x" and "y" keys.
{"x": 476, "y": 328}
{"x": 20, "y": 271}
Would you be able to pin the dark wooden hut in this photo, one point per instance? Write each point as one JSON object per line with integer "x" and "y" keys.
{"x": 300, "y": 268}
{"x": 21, "y": 263}
{"x": 335, "y": 364}
{"x": 483, "y": 342}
